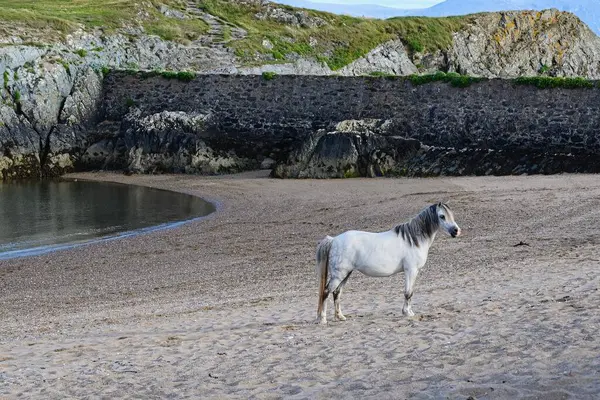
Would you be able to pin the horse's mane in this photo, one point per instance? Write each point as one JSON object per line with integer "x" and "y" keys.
{"x": 421, "y": 227}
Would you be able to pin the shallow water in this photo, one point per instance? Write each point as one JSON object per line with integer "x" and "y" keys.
{"x": 41, "y": 216}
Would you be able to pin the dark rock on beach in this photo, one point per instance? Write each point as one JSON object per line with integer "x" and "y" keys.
{"x": 366, "y": 148}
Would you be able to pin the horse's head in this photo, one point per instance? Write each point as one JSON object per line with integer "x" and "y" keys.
{"x": 446, "y": 220}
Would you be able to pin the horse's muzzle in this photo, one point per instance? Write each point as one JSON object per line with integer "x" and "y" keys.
{"x": 454, "y": 232}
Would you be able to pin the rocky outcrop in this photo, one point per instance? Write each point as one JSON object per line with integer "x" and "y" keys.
{"x": 391, "y": 58}
{"x": 370, "y": 148}
{"x": 50, "y": 94}
{"x": 300, "y": 66}
{"x": 346, "y": 154}
{"x": 502, "y": 44}
{"x": 296, "y": 18}
{"x": 355, "y": 148}
{"x": 163, "y": 142}
{"x": 526, "y": 43}
{"x": 388, "y": 58}
{"x": 44, "y": 114}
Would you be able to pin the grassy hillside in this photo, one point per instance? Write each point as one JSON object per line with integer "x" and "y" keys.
{"x": 338, "y": 43}
{"x": 59, "y": 17}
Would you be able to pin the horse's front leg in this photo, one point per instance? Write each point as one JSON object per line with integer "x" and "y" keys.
{"x": 410, "y": 276}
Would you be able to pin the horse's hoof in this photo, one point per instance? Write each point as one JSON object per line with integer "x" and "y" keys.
{"x": 340, "y": 317}
{"x": 321, "y": 321}
{"x": 408, "y": 313}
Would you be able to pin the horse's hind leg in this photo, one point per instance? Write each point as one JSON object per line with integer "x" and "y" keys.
{"x": 336, "y": 302}
{"x": 336, "y": 298}
{"x": 322, "y": 315}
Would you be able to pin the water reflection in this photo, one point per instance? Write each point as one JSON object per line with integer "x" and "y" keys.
{"x": 34, "y": 214}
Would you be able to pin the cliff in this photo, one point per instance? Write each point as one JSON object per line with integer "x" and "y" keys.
{"x": 54, "y": 61}
{"x": 251, "y": 36}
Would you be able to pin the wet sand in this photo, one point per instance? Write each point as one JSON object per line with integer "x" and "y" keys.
{"x": 224, "y": 307}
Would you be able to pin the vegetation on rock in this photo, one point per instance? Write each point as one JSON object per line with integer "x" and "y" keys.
{"x": 338, "y": 41}
{"x": 58, "y": 18}
{"x": 380, "y": 74}
{"x": 453, "y": 78}
{"x": 268, "y": 76}
{"x": 545, "y": 82}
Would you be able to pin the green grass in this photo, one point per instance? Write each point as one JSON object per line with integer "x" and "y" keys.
{"x": 341, "y": 41}
{"x": 351, "y": 173}
{"x": 133, "y": 66}
{"x": 269, "y": 76}
{"x": 546, "y": 82}
{"x": 414, "y": 45}
{"x": 544, "y": 69}
{"x": 61, "y": 17}
{"x": 177, "y": 30}
{"x": 380, "y": 74}
{"x": 65, "y": 66}
{"x": 28, "y": 66}
{"x": 453, "y": 78}
{"x": 184, "y": 76}
{"x": 226, "y": 33}
{"x": 542, "y": 82}
{"x": 6, "y": 78}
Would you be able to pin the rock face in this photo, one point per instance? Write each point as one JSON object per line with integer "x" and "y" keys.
{"x": 372, "y": 148}
{"x": 297, "y": 18}
{"x": 391, "y": 58}
{"x": 163, "y": 142}
{"x": 502, "y": 44}
{"x": 50, "y": 95}
{"x": 527, "y": 43}
{"x": 346, "y": 154}
{"x": 44, "y": 115}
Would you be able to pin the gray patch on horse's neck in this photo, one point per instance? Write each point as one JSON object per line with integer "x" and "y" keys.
{"x": 420, "y": 228}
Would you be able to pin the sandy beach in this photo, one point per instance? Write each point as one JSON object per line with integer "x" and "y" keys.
{"x": 224, "y": 307}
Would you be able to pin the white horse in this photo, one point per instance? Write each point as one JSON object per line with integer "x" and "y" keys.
{"x": 403, "y": 248}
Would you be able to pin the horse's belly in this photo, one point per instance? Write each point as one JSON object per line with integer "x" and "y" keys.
{"x": 379, "y": 269}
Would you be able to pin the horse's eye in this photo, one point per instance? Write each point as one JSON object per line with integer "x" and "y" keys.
{"x": 442, "y": 217}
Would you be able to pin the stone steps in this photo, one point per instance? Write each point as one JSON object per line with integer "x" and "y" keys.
{"x": 216, "y": 33}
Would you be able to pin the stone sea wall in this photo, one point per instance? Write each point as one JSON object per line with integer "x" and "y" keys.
{"x": 490, "y": 127}
{"x": 490, "y": 114}
{"x": 312, "y": 126}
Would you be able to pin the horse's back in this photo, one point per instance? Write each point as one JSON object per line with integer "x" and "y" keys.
{"x": 351, "y": 240}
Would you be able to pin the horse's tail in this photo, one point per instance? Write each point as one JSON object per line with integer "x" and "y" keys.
{"x": 323, "y": 249}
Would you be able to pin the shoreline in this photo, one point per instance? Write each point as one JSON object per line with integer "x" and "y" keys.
{"x": 224, "y": 307}
{"x": 45, "y": 249}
